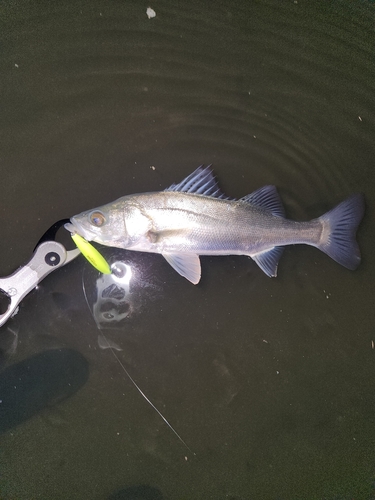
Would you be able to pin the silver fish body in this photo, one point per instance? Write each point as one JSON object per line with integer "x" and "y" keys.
{"x": 195, "y": 218}
{"x": 189, "y": 223}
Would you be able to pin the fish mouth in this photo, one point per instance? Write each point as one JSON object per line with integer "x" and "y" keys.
{"x": 69, "y": 227}
{"x": 75, "y": 227}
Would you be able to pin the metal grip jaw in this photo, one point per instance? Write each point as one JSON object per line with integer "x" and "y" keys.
{"x": 48, "y": 256}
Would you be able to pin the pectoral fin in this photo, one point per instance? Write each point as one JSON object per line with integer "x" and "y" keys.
{"x": 268, "y": 261}
{"x": 186, "y": 264}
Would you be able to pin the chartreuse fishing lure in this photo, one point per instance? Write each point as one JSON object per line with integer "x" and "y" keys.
{"x": 95, "y": 258}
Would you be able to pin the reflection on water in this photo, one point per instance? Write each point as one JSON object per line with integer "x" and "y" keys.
{"x": 105, "y": 343}
{"x": 114, "y": 302}
{"x": 117, "y": 297}
{"x": 8, "y": 343}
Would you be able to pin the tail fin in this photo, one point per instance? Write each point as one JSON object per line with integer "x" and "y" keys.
{"x": 339, "y": 229}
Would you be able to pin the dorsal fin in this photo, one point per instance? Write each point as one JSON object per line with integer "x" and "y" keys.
{"x": 201, "y": 181}
{"x": 266, "y": 197}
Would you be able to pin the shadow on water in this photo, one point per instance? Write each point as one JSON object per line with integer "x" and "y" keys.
{"x": 141, "y": 492}
{"x": 47, "y": 378}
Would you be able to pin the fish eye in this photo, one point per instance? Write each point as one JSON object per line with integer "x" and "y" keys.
{"x": 97, "y": 218}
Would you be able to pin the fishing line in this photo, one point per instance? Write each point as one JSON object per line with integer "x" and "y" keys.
{"x": 146, "y": 398}
{"x": 136, "y": 385}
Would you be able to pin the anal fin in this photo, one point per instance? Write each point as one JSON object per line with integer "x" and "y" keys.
{"x": 186, "y": 264}
{"x": 269, "y": 260}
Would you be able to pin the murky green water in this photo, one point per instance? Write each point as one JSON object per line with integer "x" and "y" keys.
{"x": 269, "y": 381}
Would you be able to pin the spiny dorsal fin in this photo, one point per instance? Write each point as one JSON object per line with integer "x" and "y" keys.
{"x": 266, "y": 197}
{"x": 201, "y": 181}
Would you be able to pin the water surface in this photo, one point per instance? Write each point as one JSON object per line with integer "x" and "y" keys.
{"x": 268, "y": 381}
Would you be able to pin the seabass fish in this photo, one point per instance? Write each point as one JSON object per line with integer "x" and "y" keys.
{"x": 195, "y": 218}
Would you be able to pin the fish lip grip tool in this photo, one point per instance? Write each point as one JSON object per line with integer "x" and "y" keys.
{"x": 48, "y": 256}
